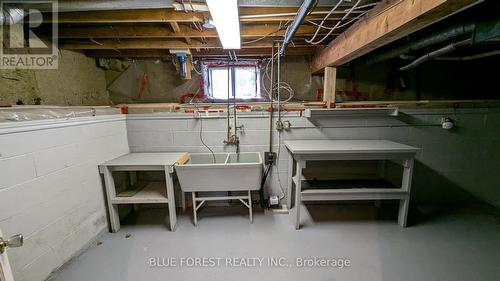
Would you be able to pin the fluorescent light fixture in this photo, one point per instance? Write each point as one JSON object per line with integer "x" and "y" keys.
{"x": 227, "y": 22}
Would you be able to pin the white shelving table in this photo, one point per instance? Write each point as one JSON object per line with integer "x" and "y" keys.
{"x": 152, "y": 193}
{"x": 301, "y": 151}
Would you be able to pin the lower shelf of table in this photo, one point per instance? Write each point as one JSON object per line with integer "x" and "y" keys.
{"x": 153, "y": 192}
{"x": 333, "y": 190}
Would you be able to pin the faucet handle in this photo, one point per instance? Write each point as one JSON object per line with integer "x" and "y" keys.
{"x": 13, "y": 242}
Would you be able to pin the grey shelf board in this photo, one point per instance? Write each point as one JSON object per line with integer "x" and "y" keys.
{"x": 153, "y": 192}
{"x": 344, "y": 112}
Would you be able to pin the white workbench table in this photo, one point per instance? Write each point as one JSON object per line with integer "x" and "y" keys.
{"x": 301, "y": 151}
{"x": 151, "y": 194}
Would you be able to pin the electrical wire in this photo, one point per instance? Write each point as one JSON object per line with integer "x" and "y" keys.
{"x": 357, "y": 17}
{"x": 203, "y": 142}
{"x": 280, "y": 27}
{"x": 283, "y": 85}
{"x": 311, "y": 41}
{"x": 194, "y": 68}
{"x": 277, "y": 167}
{"x": 323, "y": 21}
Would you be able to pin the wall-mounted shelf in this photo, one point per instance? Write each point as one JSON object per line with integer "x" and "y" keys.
{"x": 342, "y": 112}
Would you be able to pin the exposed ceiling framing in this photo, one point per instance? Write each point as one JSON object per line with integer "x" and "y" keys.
{"x": 384, "y": 24}
{"x": 149, "y": 32}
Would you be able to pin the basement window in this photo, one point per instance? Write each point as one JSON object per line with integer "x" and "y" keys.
{"x": 238, "y": 81}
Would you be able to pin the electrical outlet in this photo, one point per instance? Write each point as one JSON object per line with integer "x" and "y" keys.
{"x": 269, "y": 157}
{"x": 287, "y": 125}
{"x": 279, "y": 125}
{"x": 274, "y": 200}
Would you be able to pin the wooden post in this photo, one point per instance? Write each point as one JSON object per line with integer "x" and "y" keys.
{"x": 329, "y": 82}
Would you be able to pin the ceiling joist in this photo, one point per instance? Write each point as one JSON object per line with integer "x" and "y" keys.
{"x": 162, "y": 53}
{"x": 387, "y": 22}
{"x": 247, "y": 14}
{"x": 210, "y": 43}
{"x": 177, "y": 31}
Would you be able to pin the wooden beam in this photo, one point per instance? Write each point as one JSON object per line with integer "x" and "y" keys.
{"x": 387, "y": 22}
{"x": 161, "y": 53}
{"x": 169, "y": 15}
{"x": 128, "y": 16}
{"x": 211, "y": 43}
{"x": 133, "y": 53}
{"x": 189, "y": 68}
{"x": 175, "y": 27}
{"x": 254, "y": 52}
{"x": 135, "y": 44}
{"x": 161, "y": 31}
{"x": 247, "y": 14}
{"x": 177, "y": 31}
{"x": 329, "y": 84}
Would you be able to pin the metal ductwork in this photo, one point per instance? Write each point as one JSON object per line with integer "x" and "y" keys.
{"x": 301, "y": 14}
{"x": 11, "y": 16}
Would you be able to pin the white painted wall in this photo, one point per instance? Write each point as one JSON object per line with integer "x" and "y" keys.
{"x": 451, "y": 165}
{"x": 50, "y": 189}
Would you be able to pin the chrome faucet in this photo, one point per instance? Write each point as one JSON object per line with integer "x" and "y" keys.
{"x": 234, "y": 139}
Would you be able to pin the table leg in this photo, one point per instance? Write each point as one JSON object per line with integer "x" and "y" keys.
{"x": 406, "y": 186}
{"x": 298, "y": 186}
{"x": 183, "y": 201}
{"x": 250, "y": 205}
{"x": 171, "y": 199}
{"x": 132, "y": 176}
{"x": 290, "y": 181}
{"x": 195, "y": 218}
{"x": 114, "y": 217}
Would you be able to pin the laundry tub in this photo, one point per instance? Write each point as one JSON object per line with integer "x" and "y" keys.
{"x": 205, "y": 172}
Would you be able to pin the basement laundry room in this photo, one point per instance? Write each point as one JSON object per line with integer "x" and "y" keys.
{"x": 222, "y": 140}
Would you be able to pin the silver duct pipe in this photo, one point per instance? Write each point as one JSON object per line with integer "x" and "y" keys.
{"x": 11, "y": 16}
{"x": 435, "y": 54}
{"x": 301, "y": 14}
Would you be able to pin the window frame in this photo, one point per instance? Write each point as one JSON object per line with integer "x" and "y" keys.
{"x": 207, "y": 79}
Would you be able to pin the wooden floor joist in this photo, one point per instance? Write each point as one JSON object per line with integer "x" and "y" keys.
{"x": 161, "y": 53}
{"x": 247, "y": 14}
{"x": 115, "y": 44}
{"x": 163, "y": 31}
{"x": 387, "y": 22}
{"x": 128, "y": 16}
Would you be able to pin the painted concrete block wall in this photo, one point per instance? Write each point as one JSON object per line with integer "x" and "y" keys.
{"x": 450, "y": 167}
{"x": 50, "y": 188}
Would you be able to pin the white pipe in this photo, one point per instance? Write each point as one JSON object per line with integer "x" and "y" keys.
{"x": 11, "y": 16}
{"x": 472, "y": 57}
{"x": 294, "y": 14}
{"x": 435, "y": 54}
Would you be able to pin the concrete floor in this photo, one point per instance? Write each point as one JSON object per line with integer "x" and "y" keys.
{"x": 455, "y": 245}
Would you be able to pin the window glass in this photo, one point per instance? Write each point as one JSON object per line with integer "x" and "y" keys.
{"x": 245, "y": 84}
{"x": 219, "y": 85}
